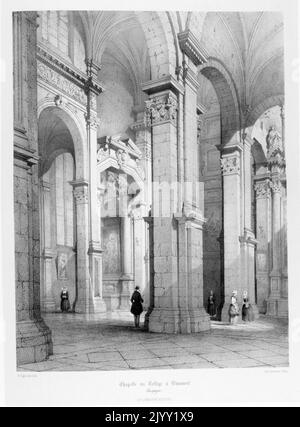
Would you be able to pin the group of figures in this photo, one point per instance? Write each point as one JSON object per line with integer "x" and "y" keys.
{"x": 234, "y": 309}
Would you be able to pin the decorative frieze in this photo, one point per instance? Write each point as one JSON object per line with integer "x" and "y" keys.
{"x": 161, "y": 109}
{"x": 263, "y": 189}
{"x": 55, "y": 79}
{"x": 230, "y": 165}
{"x": 54, "y": 61}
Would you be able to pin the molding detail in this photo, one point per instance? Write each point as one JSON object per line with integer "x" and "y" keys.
{"x": 70, "y": 72}
{"x": 165, "y": 83}
{"x": 161, "y": 109}
{"x": 191, "y": 47}
{"x": 123, "y": 152}
{"x": 26, "y": 155}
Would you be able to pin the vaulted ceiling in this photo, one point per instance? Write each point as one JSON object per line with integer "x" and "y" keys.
{"x": 144, "y": 44}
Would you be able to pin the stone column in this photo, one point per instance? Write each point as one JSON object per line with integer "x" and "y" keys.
{"x": 275, "y": 275}
{"x": 162, "y": 114}
{"x": 141, "y": 231}
{"x": 34, "y": 342}
{"x": 190, "y": 222}
{"x": 247, "y": 239}
{"x": 93, "y": 89}
{"x": 84, "y": 295}
{"x": 48, "y": 302}
{"x": 149, "y": 268}
{"x": 263, "y": 234}
{"x": 178, "y": 276}
{"x": 127, "y": 265}
{"x": 231, "y": 169}
{"x": 277, "y": 304}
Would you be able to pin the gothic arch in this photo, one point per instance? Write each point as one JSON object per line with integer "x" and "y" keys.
{"x": 227, "y": 95}
{"x": 73, "y": 127}
{"x": 259, "y": 109}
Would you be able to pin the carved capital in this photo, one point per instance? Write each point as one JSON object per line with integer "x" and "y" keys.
{"x": 162, "y": 109}
{"x": 92, "y": 121}
{"x": 81, "y": 195}
{"x": 263, "y": 189}
{"x": 80, "y": 191}
{"x": 231, "y": 165}
{"x": 276, "y": 185}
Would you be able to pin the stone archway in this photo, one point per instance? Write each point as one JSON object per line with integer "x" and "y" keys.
{"x": 57, "y": 170}
{"x": 60, "y": 137}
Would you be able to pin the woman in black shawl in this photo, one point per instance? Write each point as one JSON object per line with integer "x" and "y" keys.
{"x": 137, "y": 307}
{"x": 65, "y": 303}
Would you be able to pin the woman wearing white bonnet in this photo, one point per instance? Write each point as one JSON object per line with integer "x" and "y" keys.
{"x": 234, "y": 310}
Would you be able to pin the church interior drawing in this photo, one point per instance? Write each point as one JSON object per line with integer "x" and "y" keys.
{"x": 149, "y": 151}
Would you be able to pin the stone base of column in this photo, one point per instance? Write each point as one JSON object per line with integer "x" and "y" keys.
{"x": 256, "y": 313}
{"x": 176, "y": 321}
{"x": 127, "y": 290}
{"x": 99, "y": 305}
{"x": 34, "y": 342}
{"x": 199, "y": 320}
{"x": 278, "y": 307}
{"x": 164, "y": 320}
{"x": 147, "y": 318}
{"x": 48, "y": 306}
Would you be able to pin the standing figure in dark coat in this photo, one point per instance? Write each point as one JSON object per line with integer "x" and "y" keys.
{"x": 65, "y": 303}
{"x": 247, "y": 310}
{"x": 211, "y": 305}
{"x": 137, "y": 307}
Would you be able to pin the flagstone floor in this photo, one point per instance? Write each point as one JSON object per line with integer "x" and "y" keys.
{"x": 98, "y": 343}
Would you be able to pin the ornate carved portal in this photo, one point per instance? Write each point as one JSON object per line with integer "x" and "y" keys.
{"x": 122, "y": 211}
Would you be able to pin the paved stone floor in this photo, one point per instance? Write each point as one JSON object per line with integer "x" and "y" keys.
{"x": 112, "y": 343}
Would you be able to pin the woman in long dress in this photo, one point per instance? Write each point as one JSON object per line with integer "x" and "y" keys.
{"x": 211, "y": 305}
{"x": 247, "y": 310}
{"x": 137, "y": 306}
{"x": 65, "y": 303}
{"x": 234, "y": 310}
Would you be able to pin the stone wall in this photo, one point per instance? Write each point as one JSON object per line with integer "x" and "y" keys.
{"x": 33, "y": 337}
